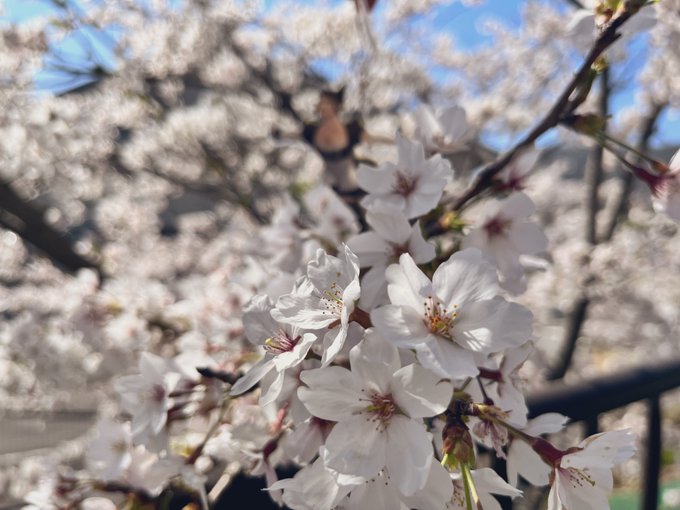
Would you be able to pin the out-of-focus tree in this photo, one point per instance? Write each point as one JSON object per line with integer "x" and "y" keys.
{"x": 159, "y": 146}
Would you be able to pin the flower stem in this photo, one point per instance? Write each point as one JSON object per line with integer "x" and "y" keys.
{"x": 548, "y": 453}
{"x": 199, "y": 449}
{"x": 624, "y": 145}
{"x": 471, "y": 496}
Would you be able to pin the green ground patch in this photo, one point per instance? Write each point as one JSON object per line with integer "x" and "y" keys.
{"x": 669, "y": 500}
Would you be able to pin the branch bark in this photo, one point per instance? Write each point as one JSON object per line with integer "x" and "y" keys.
{"x": 575, "y": 3}
{"x": 28, "y": 222}
{"x": 577, "y": 317}
{"x": 593, "y": 175}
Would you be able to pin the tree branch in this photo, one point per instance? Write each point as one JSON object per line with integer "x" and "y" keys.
{"x": 563, "y": 106}
{"x": 575, "y": 3}
{"x": 577, "y": 317}
{"x": 593, "y": 176}
{"x": 28, "y": 222}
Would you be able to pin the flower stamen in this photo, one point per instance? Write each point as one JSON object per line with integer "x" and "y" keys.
{"x": 280, "y": 343}
{"x": 404, "y": 185}
{"x": 381, "y": 408}
{"x": 438, "y": 319}
{"x": 332, "y": 299}
{"x": 497, "y": 226}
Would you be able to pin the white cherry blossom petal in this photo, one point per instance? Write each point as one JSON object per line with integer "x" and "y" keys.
{"x": 356, "y": 446}
{"x": 252, "y": 376}
{"x": 369, "y": 247}
{"x": 528, "y": 238}
{"x": 420, "y": 392}
{"x": 492, "y": 325}
{"x": 407, "y": 272}
{"x": 446, "y": 359}
{"x": 408, "y": 454}
{"x": 332, "y": 393}
{"x": 375, "y": 350}
{"x": 465, "y": 277}
{"x": 401, "y": 325}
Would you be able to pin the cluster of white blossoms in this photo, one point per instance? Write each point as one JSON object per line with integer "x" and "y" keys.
{"x": 378, "y": 363}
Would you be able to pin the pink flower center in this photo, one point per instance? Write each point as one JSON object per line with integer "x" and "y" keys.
{"x": 404, "y": 185}
{"x": 157, "y": 393}
{"x": 438, "y": 319}
{"x": 497, "y": 226}
{"x": 514, "y": 182}
{"x": 381, "y": 408}
{"x": 397, "y": 250}
{"x": 280, "y": 343}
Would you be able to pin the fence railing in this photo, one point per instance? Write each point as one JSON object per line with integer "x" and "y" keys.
{"x": 587, "y": 400}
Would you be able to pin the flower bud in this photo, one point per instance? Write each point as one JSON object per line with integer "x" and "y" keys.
{"x": 458, "y": 445}
{"x": 588, "y": 124}
{"x": 452, "y": 221}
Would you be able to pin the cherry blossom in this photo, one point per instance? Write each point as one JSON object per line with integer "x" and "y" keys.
{"x": 503, "y": 384}
{"x": 453, "y": 317}
{"x": 315, "y": 487}
{"x": 390, "y": 237}
{"x": 377, "y": 406}
{"x": 582, "y": 478}
{"x": 381, "y": 492}
{"x": 487, "y": 482}
{"x": 334, "y": 220}
{"x": 503, "y": 234}
{"x": 414, "y": 184}
{"x": 523, "y": 460}
{"x": 110, "y": 453}
{"x": 324, "y": 298}
{"x": 146, "y": 396}
{"x": 514, "y": 176}
{"x": 444, "y": 130}
{"x": 666, "y": 189}
{"x": 179, "y": 173}
{"x": 285, "y": 347}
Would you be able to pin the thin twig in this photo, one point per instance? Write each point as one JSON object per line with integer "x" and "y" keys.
{"x": 573, "y": 329}
{"x": 620, "y": 205}
{"x": 211, "y": 432}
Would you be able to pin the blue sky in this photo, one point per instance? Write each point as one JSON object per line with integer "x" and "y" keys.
{"x": 464, "y": 24}
{"x": 19, "y": 10}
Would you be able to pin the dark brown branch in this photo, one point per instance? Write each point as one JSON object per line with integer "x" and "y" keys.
{"x": 576, "y": 319}
{"x": 28, "y": 222}
{"x": 593, "y": 176}
{"x": 563, "y": 106}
